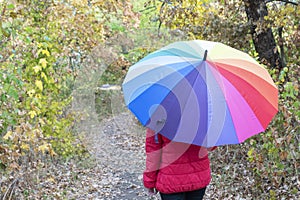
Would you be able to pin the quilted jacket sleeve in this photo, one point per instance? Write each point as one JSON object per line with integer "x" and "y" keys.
{"x": 153, "y": 158}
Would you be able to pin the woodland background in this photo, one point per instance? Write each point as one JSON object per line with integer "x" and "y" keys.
{"x": 53, "y": 52}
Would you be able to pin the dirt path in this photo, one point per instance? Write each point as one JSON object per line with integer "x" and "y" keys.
{"x": 118, "y": 146}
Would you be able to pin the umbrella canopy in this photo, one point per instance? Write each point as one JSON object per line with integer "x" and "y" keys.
{"x": 201, "y": 92}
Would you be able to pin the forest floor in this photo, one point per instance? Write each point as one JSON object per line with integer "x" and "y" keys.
{"x": 114, "y": 169}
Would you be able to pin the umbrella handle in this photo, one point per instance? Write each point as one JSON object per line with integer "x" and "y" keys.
{"x": 158, "y": 123}
{"x": 161, "y": 121}
{"x": 156, "y": 138}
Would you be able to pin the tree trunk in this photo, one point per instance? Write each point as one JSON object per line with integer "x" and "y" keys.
{"x": 262, "y": 35}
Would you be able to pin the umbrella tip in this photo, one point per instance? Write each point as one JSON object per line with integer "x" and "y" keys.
{"x": 205, "y": 55}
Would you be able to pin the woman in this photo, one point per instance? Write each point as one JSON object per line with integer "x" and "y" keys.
{"x": 176, "y": 170}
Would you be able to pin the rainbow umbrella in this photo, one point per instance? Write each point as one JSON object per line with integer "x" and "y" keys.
{"x": 201, "y": 92}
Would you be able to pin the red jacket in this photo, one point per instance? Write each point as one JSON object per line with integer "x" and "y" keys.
{"x": 173, "y": 167}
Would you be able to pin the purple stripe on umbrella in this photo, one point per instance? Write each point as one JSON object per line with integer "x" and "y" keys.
{"x": 184, "y": 101}
{"x": 166, "y": 124}
{"x": 198, "y": 81}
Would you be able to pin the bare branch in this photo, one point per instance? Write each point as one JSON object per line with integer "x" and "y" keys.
{"x": 10, "y": 189}
{"x": 160, "y": 11}
{"x": 285, "y": 1}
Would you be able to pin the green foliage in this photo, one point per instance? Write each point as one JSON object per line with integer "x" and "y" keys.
{"x": 275, "y": 153}
{"x": 209, "y": 20}
{"x": 33, "y": 121}
{"x": 43, "y": 47}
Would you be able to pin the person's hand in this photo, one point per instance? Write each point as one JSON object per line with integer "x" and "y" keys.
{"x": 211, "y": 148}
{"x": 151, "y": 191}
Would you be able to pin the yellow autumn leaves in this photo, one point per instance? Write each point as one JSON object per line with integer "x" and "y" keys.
{"x": 43, "y": 62}
{"x": 26, "y": 136}
{"x": 39, "y": 84}
{"x": 38, "y": 69}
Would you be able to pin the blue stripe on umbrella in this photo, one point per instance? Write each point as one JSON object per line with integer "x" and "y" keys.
{"x": 154, "y": 94}
{"x": 191, "y": 47}
{"x": 170, "y": 52}
{"x": 141, "y": 106}
{"x": 228, "y": 134}
{"x": 153, "y": 76}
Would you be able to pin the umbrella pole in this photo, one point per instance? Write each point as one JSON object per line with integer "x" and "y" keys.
{"x": 205, "y": 55}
